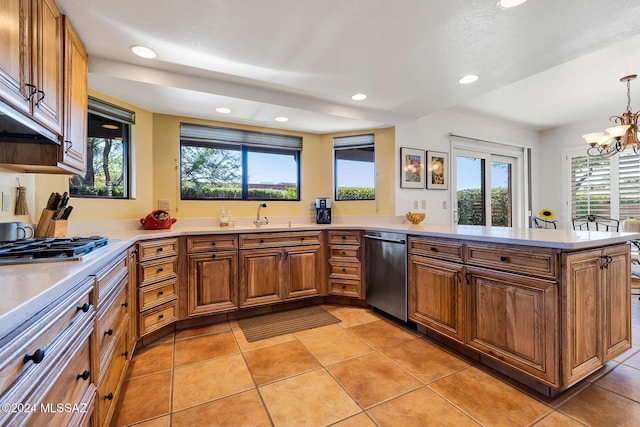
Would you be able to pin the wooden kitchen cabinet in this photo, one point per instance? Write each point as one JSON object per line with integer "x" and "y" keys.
{"x": 436, "y": 295}
{"x": 31, "y": 70}
{"x": 513, "y": 318}
{"x": 47, "y": 361}
{"x": 275, "y": 273}
{"x": 157, "y": 272}
{"x": 345, "y": 263}
{"x": 596, "y": 329}
{"x": 213, "y": 274}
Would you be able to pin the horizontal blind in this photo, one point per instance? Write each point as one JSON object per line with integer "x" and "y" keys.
{"x": 353, "y": 141}
{"x": 111, "y": 111}
{"x": 590, "y": 186}
{"x": 229, "y": 136}
{"x": 629, "y": 170}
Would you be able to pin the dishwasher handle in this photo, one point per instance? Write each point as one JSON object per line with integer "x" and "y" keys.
{"x": 399, "y": 241}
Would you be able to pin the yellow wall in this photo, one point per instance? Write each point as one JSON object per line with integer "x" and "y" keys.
{"x": 85, "y": 209}
{"x": 156, "y": 176}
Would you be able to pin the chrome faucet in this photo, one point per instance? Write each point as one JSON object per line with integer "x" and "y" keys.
{"x": 258, "y": 222}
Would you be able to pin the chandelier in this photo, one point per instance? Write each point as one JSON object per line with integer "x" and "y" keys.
{"x": 620, "y": 137}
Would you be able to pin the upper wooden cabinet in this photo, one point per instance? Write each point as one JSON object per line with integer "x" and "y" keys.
{"x": 43, "y": 75}
{"x": 31, "y": 67}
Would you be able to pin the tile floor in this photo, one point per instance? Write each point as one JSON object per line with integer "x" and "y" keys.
{"x": 364, "y": 371}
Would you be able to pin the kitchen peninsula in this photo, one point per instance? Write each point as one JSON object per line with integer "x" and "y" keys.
{"x": 547, "y": 307}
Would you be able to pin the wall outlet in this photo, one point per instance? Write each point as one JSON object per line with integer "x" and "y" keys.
{"x": 164, "y": 204}
{"x": 6, "y": 200}
{"x": 415, "y": 204}
{"x": 444, "y": 204}
{"x": 424, "y": 204}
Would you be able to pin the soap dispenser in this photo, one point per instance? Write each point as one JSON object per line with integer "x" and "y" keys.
{"x": 224, "y": 219}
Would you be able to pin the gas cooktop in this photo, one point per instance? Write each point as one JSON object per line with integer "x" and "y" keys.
{"x": 49, "y": 249}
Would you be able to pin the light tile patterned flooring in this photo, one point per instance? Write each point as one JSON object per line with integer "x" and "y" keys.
{"x": 364, "y": 371}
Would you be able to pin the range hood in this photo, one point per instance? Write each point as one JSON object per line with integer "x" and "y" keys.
{"x": 15, "y": 127}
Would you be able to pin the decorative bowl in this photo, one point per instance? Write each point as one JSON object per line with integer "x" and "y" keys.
{"x": 415, "y": 217}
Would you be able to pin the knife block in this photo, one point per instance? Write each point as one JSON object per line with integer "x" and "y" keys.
{"x": 49, "y": 227}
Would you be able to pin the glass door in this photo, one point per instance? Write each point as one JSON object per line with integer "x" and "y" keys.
{"x": 484, "y": 190}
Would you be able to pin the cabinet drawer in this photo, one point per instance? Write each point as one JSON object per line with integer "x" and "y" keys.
{"x": 344, "y": 238}
{"x": 40, "y": 337}
{"x": 344, "y": 253}
{"x": 110, "y": 276}
{"x": 345, "y": 287}
{"x": 109, "y": 385}
{"x": 515, "y": 260}
{"x": 158, "y": 317}
{"x": 345, "y": 271}
{"x": 110, "y": 322}
{"x": 154, "y": 271}
{"x": 212, "y": 243}
{"x": 436, "y": 248}
{"x": 269, "y": 240}
{"x": 73, "y": 388}
{"x": 157, "y": 294}
{"x": 155, "y": 249}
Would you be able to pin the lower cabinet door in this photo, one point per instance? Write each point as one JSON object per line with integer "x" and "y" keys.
{"x": 303, "y": 271}
{"x": 436, "y": 296}
{"x": 260, "y": 276}
{"x": 213, "y": 279}
{"x": 512, "y": 319}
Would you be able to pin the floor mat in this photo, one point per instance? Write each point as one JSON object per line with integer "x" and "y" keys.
{"x": 285, "y": 322}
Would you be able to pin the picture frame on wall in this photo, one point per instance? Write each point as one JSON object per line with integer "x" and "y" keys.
{"x": 411, "y": 168}
{"x": 437, "y": 175}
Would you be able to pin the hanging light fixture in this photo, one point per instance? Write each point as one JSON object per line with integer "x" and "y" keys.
{"x": 620, "y": 137}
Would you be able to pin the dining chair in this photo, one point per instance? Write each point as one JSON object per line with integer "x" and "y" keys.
{"x": 595, "y": 223}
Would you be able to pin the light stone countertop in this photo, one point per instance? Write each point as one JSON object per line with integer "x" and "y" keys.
{"x": 28, "y": 288}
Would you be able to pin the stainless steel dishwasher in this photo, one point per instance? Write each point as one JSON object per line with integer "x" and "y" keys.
{"x": 386, "y": 272}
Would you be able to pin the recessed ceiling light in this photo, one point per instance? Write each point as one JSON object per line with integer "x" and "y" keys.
{"x": 359, "y": 97}
{"x": 143, "y": 52}
{"x": 506, "y": 4}
{"x": 108, "y": 126}
{"x": 223, "y": 110}
{"x": 281, "y": 119}
{"x": 471, "y": 78}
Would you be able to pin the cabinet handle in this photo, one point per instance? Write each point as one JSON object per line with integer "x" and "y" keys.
{"x": 286, "y": 255}
{"x": 160, "y": 270}
{"x": 135, "y": 251}
{"x": 213, "y": 255}
{"x": 504, "y": 258}
{"x": 607, "y": 261}
{"x": 344, "y": 237}
{"x": 108, "y": 396}
{"x": 109, "y": 332}
{"x": 467, "y": 278}
{"x": 84, "y": 375}
{"x": 433, "y": 249}
{"x": 34, "y": 90}
{"x": 213, "y": 243}
{"x": 161, "y": 316}
{"x": 344, "y": 286}
{"x": 124, "y": 304}
{"x": 40, "y": 99}
{"x": 159, "y": 249}
{"x": 261, "y": 241}
{"x": 37, "y": 356}
{"x": 69, "y": 145}
{"x": 125, "y": 354}
{"x": 344, "y": 270}
{"x": 280, "y": 256}
{"x": 160, "y": 293}
{"x": 85, "y": 307}
{"x": 302, "y": 239}
{"x": 458, "y": 276}
{"x": 344, "y": 253}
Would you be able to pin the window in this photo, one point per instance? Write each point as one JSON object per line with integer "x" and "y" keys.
{"x": 354, "y": 167}
{"x": 224, "y": 163}
{"x": 108, "y": 142}
{"x": 605, "y": 186}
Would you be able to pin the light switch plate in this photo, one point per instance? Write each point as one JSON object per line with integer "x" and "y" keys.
{"x": 164, "y": 204}
{"x": 6, "y": 200}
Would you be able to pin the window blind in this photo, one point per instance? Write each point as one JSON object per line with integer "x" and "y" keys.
{"x": 353, "y": 141}
{"x": 590, "y": 186}
{"x": 629, "y": 171}
{"x": 110, "y": 111}
{"x": 229, "y": 136}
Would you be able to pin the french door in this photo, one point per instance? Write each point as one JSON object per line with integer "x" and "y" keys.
{"x": 487, "y": 186}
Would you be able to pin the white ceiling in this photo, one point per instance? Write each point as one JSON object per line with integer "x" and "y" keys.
{"x": 544, "y": 64}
